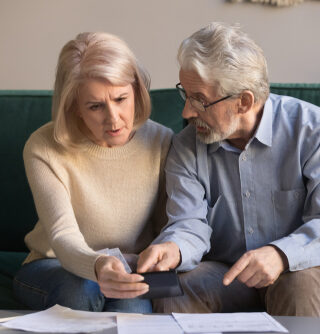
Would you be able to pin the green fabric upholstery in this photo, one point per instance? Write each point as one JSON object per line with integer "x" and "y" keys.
{"x": 21, "y": 113}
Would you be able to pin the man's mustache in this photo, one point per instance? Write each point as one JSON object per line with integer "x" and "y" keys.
{"x": 198, "y": 122}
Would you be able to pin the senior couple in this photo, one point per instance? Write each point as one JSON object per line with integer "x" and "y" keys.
{"x": 239, "y": 215}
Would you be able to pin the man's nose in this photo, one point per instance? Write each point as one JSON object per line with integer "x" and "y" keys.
{"x": 188, "y": 111}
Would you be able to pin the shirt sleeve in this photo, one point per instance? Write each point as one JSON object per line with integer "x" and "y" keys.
{"x": 56, "y": 213}
{"x": 187, "y": 206}
{"x": 302, "y": 247}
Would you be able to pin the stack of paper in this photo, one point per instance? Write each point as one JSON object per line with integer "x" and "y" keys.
{"x": 60, "y": 319}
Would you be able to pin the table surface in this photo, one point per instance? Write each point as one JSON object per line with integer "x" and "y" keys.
{"x": 295, "y": 325}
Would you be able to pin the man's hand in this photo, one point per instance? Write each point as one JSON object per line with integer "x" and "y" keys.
{"x": 115, "y": 282}
{"x": 159, "y": 257}
{"x": 258, "y": 268}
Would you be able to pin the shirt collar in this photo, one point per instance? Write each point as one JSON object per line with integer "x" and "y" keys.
{"x": 263, "y": 132}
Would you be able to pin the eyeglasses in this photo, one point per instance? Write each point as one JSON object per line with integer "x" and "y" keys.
{"x": 198, "y": 105}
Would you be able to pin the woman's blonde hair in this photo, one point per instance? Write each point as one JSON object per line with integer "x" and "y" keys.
{"x": 95, "y": 56}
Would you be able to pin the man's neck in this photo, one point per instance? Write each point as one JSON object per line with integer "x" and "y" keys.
{"x": 247, "y": 127}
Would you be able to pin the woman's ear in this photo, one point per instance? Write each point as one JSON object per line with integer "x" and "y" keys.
{"x": 246, "y": 101}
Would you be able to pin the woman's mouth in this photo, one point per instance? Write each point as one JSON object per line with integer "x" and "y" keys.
{"x": 114, "y": 133}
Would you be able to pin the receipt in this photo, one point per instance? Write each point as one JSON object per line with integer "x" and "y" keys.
{"x": 116, "y": 252}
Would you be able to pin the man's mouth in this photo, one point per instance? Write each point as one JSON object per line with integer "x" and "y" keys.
{"x": 202, "y": 129}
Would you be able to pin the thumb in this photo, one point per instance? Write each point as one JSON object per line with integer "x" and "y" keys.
{"x": 117, "y": 265}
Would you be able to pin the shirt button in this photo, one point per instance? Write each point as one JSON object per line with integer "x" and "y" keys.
{"x": 296, "y": 195}
{"x": 244, "y": 157}
{"x": 247, "y": 194}
{"x": 250, "y": 230}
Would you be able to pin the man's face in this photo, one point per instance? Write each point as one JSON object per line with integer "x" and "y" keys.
{"x": 219, "y": 121}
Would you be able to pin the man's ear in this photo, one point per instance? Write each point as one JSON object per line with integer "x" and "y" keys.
{"x": 246, "y": 101}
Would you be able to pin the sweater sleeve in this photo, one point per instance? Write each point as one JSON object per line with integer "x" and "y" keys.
{"x": 55, "y": 212}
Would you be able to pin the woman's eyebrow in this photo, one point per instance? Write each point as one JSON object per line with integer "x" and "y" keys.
{"x": 94, "y": 102}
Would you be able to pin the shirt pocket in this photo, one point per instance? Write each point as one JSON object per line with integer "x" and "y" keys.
{"x": 288, "y": 210}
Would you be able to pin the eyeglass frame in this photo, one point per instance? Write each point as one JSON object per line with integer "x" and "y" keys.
{"x": 184, "y": 97}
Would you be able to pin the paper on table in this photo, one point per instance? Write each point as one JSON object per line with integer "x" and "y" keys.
{"x": 147, "y": 324}
{"x": 228, "y": 322}
{"x": 7, "y": 319}
{"x": 61, "y": 319}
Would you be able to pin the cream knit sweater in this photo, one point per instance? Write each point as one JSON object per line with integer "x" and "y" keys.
{"x": 95, "y": 197}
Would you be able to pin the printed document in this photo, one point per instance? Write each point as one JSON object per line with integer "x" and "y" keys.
{"x": 147, "y": 324}
{"x": 228, "y": 322}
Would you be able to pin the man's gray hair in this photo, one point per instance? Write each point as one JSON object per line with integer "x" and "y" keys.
{"x": 226, "y": 58}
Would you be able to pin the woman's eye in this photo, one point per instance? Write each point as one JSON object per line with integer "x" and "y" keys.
{"x": 94, "y": 107}
{"x": 120, "y": 99}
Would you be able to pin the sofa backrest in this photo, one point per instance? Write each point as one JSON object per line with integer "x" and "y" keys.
{"x": 22, "y": 112}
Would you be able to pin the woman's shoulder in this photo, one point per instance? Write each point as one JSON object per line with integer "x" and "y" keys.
{"x": 41, "y": 138}
{"x": 44, "y": 132}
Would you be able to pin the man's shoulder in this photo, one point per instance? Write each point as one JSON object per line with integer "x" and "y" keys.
{"x": 186, "y": 136}
{"x": 293, "y": 106}
{"x": 294, "y": 112}
{"x": 156, "y": 128}
{"x": 155, "y": 135}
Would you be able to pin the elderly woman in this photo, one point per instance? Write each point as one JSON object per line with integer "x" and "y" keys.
{"x": 96, "y": 174}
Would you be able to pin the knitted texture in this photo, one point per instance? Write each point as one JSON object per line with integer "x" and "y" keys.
{"x": 95, "y": 197}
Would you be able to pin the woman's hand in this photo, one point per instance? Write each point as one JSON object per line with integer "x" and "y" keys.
{"x": 115, "y": 282}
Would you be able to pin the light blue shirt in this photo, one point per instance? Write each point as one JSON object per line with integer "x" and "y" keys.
{"x": 223, "y": 201}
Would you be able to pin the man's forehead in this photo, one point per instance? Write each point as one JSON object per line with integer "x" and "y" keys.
{"x": 194, "y": 84}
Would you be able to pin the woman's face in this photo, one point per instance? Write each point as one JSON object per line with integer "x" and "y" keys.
{"x": 107, "y": 112}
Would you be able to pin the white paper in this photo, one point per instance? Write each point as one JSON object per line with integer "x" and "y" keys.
{"x": 147, "y": 324}
{"x": 228, "y": 322}
{"x": 7, "y": 319}
{"x": 59, "y": 319}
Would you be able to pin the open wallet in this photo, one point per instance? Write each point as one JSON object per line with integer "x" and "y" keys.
{"x": 162, "y": 284}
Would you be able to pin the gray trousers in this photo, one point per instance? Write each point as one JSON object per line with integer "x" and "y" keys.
{"x": 293, "y": 294}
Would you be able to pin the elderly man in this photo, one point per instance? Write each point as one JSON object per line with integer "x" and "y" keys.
{"x": 243, "y": 183}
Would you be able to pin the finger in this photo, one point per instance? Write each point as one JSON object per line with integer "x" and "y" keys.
{"x": 124, "y": 277}
{"x": 253, "y": 281}
{"x": 235, "y": 270}
{"x": 262, "y": 284}
{"x": 124, "y": 294}
{"x": 119, "y": 286}
{"x": 247, "y": 274}
{"x": 147, "y": 259}
{"x": 163, "y": 265}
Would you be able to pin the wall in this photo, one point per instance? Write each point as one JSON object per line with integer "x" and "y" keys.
{"x": 32, "y": 33}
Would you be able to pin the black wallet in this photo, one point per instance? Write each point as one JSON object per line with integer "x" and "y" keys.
{"x": 162, "y": 284}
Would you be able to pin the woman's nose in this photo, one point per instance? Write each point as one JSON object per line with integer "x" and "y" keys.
{"x": 111, "y": 114}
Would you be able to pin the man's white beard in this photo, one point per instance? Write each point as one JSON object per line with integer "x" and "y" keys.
{"x": 211, "y": 135}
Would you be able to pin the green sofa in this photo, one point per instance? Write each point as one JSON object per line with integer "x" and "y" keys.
{"x": 21, "y": 113}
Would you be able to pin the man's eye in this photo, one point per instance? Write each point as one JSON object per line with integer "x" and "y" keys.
{"x": 200, "y": 100}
